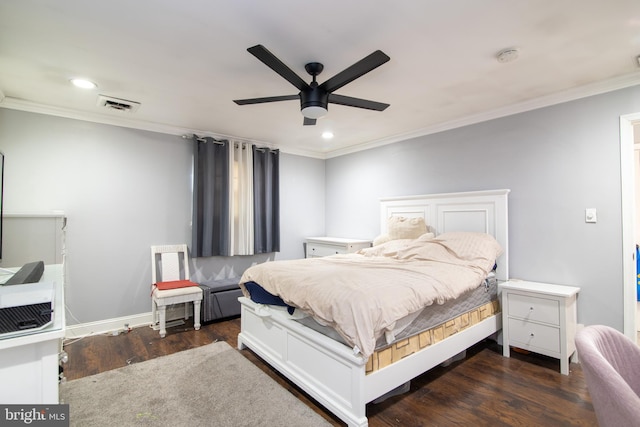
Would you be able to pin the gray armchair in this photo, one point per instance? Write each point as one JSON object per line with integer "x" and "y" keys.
{"x": 611, "y": 365}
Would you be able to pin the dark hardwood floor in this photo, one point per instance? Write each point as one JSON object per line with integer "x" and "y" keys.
{"x": 484, "y": 389}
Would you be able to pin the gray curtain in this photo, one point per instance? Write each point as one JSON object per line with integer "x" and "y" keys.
{"x": 210, "y": 225}
{"x": 266, "y": 200}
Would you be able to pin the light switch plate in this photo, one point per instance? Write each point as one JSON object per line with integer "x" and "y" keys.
{"x": 590, "y": 215}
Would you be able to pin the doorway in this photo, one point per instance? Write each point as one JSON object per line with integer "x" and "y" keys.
{"x": 629, "y": 134}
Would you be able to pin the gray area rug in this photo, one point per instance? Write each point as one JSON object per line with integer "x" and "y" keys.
{"x": 212, "y": 385}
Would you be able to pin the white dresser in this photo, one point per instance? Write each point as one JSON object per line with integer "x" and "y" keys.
{"x": 324, "y": 246}
{"x": 29, "y": 360}
{"x": 540, "y": 317}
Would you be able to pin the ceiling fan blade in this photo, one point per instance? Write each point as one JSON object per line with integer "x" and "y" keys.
{"x": 357, "y": 102}
{"x": 270, "y": 60}
{"x": 358, "y": 69}
{"x": 267, "y": 99}
{"x": 309, "y": 122}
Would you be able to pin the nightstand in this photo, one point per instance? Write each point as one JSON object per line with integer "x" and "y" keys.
{"x": 324, "y": 246}
{"x": 541, "y": 318}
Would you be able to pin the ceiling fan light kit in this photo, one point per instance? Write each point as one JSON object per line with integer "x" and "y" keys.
{"x": 314, "y": 112}
{"x": 315, "y": 98}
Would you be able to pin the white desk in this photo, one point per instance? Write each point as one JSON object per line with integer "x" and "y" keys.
{"x": 29, "y": 359}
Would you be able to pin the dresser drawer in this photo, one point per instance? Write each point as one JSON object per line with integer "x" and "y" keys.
{"x": 319, "y": 250}
{"x": 534, "y": 336}
{"x": 534, "y": 308}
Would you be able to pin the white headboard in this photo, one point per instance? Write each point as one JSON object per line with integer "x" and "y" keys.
{"x": 479, "y": 211}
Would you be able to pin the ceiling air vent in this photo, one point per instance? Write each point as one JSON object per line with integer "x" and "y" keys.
{"x": 117, "y": 104}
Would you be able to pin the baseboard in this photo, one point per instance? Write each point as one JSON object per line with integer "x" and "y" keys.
{"x": 108, "y": 326}
{"x": 119, "y": 324}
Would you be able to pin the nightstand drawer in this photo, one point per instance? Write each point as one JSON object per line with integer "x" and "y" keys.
{"x": 533, "y": 308}
{"x": 534, "y": 336}
{"x": 317, "y": 250}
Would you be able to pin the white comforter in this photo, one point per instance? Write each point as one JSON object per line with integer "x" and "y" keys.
{"x": 362, "y": 295}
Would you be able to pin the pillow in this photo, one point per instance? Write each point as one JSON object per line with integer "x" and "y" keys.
{"x": 399, "y": 227}
{"x": 383, "y": 238}
{"x": 391, "y": 247}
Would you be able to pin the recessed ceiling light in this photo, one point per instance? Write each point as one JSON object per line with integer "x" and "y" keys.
{"x": 327, "y": 135}
{"x": 83, "y": 83}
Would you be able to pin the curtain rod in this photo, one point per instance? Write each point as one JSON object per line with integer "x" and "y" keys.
{"x": 224, "y": 141}
{"x": 204, "y": 139}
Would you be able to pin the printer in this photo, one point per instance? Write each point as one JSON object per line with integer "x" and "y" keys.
{"x": 24, "y": 305}
{"x": 27, "y": 306}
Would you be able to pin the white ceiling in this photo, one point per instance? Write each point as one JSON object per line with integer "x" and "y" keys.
{"x": 185, "y": 61}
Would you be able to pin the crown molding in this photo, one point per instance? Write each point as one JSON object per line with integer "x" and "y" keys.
{"x": 597, "y": 88}
{"x": 620, "y": 82}
{"x": 33, "y": 107}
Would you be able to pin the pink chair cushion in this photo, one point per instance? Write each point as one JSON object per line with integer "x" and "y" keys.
{"x": 611, "y": 365}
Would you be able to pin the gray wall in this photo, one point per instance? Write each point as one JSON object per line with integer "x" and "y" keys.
{"x": 122, "y": 191}
{"x": 557, "y": 161}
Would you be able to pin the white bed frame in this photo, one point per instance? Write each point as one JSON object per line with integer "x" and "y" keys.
{"x": 329, "y": 371}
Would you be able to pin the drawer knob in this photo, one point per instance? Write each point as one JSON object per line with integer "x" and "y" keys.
{"x": 530, "y": 308}
{"x": 532, "y": 335}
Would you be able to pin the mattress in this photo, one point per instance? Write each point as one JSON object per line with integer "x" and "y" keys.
{"x": 403, "y": 348}
{"x": 415, "y": 332}
{"x": 425, "y": 319}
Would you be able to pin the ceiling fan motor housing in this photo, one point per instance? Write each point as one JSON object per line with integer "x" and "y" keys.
{"x": 314, "y": 97}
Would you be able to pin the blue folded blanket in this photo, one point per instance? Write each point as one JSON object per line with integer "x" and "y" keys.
{"x": 259, "y": 295}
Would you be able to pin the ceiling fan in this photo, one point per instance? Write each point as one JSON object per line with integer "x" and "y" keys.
{"x": 314, "y": 98}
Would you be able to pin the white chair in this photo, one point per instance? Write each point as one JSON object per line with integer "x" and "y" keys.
{"x": 170, "y": 269}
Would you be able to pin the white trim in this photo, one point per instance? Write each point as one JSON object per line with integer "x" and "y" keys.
{"x": 108, "y": 326}
{"x": 127, "y": 122}
{"x": 596, "y": 88}
{"x": 628, "y": 194}
{"x": 462, "y": 194}
{"x": 53, "y": 214}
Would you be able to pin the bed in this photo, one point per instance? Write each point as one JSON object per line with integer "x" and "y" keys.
{"x": 337, "y": 375}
